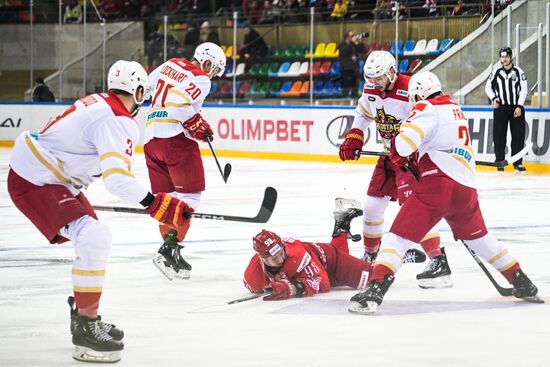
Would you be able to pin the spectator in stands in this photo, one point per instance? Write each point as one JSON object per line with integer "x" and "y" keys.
{"x": 431, "y": 7}
{"x": 252, "y": 10}
{"x": 110, "y": 9}
{"x": 349, "y": 51}
{"x": 41, "y": 92}
{"x": 254, "y": 47}
{"x": 268, "y": 13}
{"x": 458, "y": 8}
{"x": 339, "y": 10}
{"x": 208, "y": 35}
{"x": 73, "y": 12}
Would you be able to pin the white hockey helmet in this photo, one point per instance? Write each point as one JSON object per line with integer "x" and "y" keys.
{"x": 379, "y": 63}
{"x": 423, "y": 85}
{"x": 128, "y": 76}
{"x": 214, "y": 53}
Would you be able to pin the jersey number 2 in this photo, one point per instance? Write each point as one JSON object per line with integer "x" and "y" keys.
{"x": 161, "y": 88}
{"x": 464, "y": 134}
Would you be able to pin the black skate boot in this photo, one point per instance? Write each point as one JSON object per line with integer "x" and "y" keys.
{"x": 519, "y": 169}
{"x": 169, "y": 260}
{"x": 437, "y": 274}
{"x": 414, "y": 256}
{"x": 92, "y": 343}
{"x": 344, "y": 215}
{"x": 368, "y": 301}
{"x": 110, "y": 329}
{"x": 524, "y": 288}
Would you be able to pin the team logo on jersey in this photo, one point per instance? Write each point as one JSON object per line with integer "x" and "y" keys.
{"x": 387, "y": 125}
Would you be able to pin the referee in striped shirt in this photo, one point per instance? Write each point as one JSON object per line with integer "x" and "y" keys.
{"x": 507, "y": 88}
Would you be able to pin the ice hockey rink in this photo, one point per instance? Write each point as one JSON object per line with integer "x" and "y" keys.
{"x": 169, "y": 323}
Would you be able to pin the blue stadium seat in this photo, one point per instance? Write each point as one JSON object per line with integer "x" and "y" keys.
{"x": 399, "y": 47}
{"x": 337, "y": 90}
{"x": 408, "y": 47}
{"x": 283, "y": 69}
{"x": 285, "y": 88}
{"x": 335, "y": 69}
{"x": 328, "y": 89}
{"x": 403, "y": 66}
{"x": 318, "y": 88}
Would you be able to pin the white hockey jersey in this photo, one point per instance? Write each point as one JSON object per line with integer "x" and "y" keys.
{"x": 388, "y": 110}
{"x": 92, "y": 138}
{"x": 179, "y": 92}
{"x": 437, "y": 127}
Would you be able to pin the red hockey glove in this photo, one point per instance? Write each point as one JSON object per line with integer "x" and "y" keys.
{"x": 395, "y": 158}
{"x": 169, "y": 210}
{"x": 198, "y": 128}
{"x": 354, "y": 141}
{"x": 282, "y": 289}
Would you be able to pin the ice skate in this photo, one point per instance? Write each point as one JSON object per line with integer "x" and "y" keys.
{"x": 525, "y": 289}
{"x": 414, "y": 256}
{"x": 92, "y": 343}
{"x": 344, "y": 212}
{"x": 437, "y": 274}
{"x": 112, "y": 330}
{"x": 519, "y": 170}
{"x": 169, "y": 260}
{"x": 367, "y": 302}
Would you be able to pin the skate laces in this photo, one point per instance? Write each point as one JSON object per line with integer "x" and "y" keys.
{"x": 432, "y": 265}
{"x": 97, "y": 329}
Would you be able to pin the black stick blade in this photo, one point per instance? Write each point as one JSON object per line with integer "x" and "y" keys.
{"x": 226, "y": 172}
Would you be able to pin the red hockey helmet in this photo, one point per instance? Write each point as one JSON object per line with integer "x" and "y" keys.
{"x": 267, "y": 243}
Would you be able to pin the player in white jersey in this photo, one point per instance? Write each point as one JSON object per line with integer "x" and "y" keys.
{"x": 174, "y": 126}
{"x": 385, "y": 101}
{"x": 93, "y": 138}
{"x": 438, "y": 130}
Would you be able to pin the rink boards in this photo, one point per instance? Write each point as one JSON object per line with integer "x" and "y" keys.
{"x": 295, "y": 132}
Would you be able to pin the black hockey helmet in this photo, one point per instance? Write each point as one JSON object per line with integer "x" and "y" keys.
{"x": 505, "y": 51}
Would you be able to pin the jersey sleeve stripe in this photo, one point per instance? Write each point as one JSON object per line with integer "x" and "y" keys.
{"x": 113, "y": 171}
{"x": 47, "y": 164}
{"x": 415, "y": 128}
{"x": 182, "y": 95}
{"x": 89, "y": 273}
{"x": 116, "y": 155}
{"x": 162, "y": 121}
{"x": 177, "y": 105}
{"x": 409, "y": 141}
{"x": 365, "y": 112}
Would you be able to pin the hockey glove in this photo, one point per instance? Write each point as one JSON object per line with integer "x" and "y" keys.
{"x": 395, "y": 158}
{"x": 198, "y": 128}
{"x": 282, "y": 289}
{"x": 169, "y": 210}
{"x": 354, "y": 142}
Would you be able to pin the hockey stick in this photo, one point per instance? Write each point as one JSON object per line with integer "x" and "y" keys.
{"x": 226, "y": 169}
{"x": 268, "y": 204}
{"x": 232, "y": 302}
{"x": 506, "y": 292}
{"x": 516, "y": 157}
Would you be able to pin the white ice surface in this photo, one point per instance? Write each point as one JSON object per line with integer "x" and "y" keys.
{"x": 467, "y": 325}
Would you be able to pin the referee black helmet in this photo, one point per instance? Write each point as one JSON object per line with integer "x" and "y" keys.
{"x": 505, "y": 51}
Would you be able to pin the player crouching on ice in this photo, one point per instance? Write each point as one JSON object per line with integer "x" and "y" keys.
{"x": 93, "y": 138}
{"x": 292, "y": 268}
{"x": 438, "y": 130}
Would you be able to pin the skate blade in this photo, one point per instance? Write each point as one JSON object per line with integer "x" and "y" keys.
{"x": 84, "y": 354}
{"x": 356, "y": 307}
{"x": 183, "y": 274}
{"x": 533, "y": 299}
{"x": 439, "y": 282}
{"x": 168, "y": 272}
{"x": 518, "y": 173}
